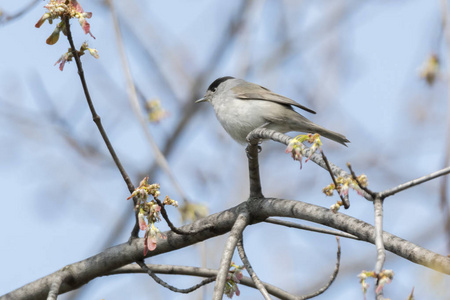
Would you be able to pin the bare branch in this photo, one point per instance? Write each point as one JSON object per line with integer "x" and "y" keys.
{"x": 253, "y": 167}
{"x": 241, "y": 222}
{"x": 171, "y": 287}
{"x": 6, "y": 18}
{"x": 381, "y": 252}
{"x": 248, "y": 267}
{"x": 310, "y": 228}
{"x": 98, "y": 121}
{"x": 199, "y": 272}
{"x": 260, "y": 209}
{"x": 54, "y": 288}
{"x": 414, "y": 182}
{"x": 333, "y": 276}
{"x": 95, "y": 116}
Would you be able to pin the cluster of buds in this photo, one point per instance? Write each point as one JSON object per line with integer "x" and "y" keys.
{"x": 155, "y": 111}
{"x": 149, "y": 212}
{"x": 430, "y": 69}
{"x": 68, "y": 56}
{"x": 297, "y": 149}
{"x": 385, "y": 277}
{"x": 233, "y": 278}
{"x": 343, "y": 186}
{"x": 58, "y": 9}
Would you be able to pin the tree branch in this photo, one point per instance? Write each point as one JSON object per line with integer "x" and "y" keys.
{"x": 332, "y": 278}
{"x": 95, "y": 116}
{"x": 251, "y": 272}
{"x": 171, "y": 287}
{"x": 414, "y": 182}
{"x": 241, "y": 222}
{"x": 199, "y": 272}
{"x": 310, "y": 228}
{"x": 112, "y": 258}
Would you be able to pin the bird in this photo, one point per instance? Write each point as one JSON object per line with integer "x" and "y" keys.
{"x": 242, "y": 106}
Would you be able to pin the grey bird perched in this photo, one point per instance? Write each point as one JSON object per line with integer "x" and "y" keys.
{"x": 242, "y": 106}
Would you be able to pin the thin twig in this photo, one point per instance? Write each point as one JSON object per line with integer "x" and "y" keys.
{"x": 248, "y": 267}
{"x": 171, "y": 287}
{"x": 198, "y": 272}
{"x": 241, "y": 222}
{"x": 332, "y": 278}
{"x": 97, "y": 120}
{"x": 310, "y": 228}
{"x": 6, "y": 18}
{"x": 414, "y": 182}
{"x": 344, "y": 200}
{"x": 364, "y": 188}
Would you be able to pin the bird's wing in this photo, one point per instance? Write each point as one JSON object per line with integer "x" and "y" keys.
{"x": 257, "y": 92}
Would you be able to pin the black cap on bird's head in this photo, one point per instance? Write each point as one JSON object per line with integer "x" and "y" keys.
{"x": 213, "y": 86}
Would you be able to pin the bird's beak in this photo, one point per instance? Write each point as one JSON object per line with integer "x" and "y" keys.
{"x": 201, "y": 100}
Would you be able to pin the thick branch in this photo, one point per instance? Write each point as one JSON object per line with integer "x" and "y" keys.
{"x": 112, "y": 258}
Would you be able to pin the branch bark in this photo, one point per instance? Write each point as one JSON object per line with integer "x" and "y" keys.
{"x": 112, "y": 258}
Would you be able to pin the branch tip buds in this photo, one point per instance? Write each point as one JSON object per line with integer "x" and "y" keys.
{"x": 155, "y": 110}
{"x": 343, "y": 186}
{"x": 149, "y": 212}
{"x": 233, "y": 278}
{"x": 68, "y": 56}
{"x": 60, "y": 9}
{"x": 430, "y": 69}
{"x": 385, "y": 277}
{"x": 297, "y": 149}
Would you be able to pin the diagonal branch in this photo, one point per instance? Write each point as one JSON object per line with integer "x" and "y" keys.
{"x": 6, "y": 18}
{"x": 95, "y": 116}
{"x": 310, "y": 228}
{"x": 344, "y": 199}
{"x": 248, "y": 267}
{"x": 415, "y": 182}
{"x": 56, "y": 284}
{"x": 242, "y": 221}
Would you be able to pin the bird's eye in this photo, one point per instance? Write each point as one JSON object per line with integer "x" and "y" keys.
{"x": 214, "y": 89}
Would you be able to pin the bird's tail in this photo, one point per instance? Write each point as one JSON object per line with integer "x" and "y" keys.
{"x": 337, "y": 137}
